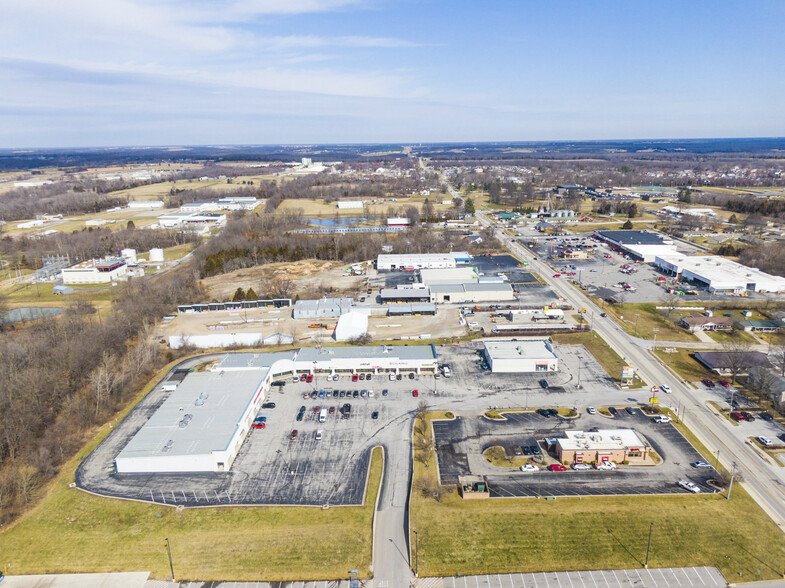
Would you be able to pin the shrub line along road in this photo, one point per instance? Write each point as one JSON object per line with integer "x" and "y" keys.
{"x": 763, "y": 482}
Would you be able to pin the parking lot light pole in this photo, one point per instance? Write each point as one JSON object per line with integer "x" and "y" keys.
{"x": 732, "y": 475}
{"x": 655, "y": 331}
{"x": 169, "y": 551}
{"x": 648, "y": 547}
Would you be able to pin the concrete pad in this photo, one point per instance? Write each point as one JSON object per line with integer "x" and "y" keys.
{"x": 111, "y": 580}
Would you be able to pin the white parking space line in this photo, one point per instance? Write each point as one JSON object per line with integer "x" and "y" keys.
{"x": 686, "y": 575}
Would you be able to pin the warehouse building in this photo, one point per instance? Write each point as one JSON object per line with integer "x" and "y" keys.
{"x": 416, "y": 261}
{"x": 643, "y": 245}
{"x": 719, "y": 274}
{"x": 410, "y": 295}
{"x": 456, "y": 275}
{"x": 101, "y": 271}
{"x": 324, "y": 307}
{"x": 602, "y": 446}
{"x": 471, "y": 292}
{"x": 412, "y": 309}
{"x": 521, "y": 357}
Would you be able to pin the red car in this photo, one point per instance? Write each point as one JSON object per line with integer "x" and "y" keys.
{"x": 724, "y": 383}
{"x": 293, "y": 436}
{"x": 258, "y": 425}
{"x": 557, "y": 467}
{"x": 302, "y": 378}
{"x": 332, "y": 410}
{"x": 557, "y": 275}
{"x": 317, "y": 409}
{"x": 309, "y": 378}
{"x": 354, "y": 377}
{"x": 415, "y": 393}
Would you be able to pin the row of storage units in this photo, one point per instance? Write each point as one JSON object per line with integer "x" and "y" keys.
{"x": 238, "y": 305}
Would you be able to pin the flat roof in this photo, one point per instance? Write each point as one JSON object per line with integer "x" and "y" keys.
{"x": 411, "y": 308}
{"x": 424, "y": 352}
{"x": 252, "y": 361}
{"x": 603, "y": 439}
{"x": 216, "y": 402}
{"x": 525, "y": 349}
{"x": 652, "y": 250}
{"x": 631, "y": 237}
{"x": 405, "y": 293}
{"x": 448, "y": 275}
{"x": 322, "y": 303}
{"x": 714, "y": 268}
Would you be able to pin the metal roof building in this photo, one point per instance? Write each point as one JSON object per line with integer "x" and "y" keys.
{"x": 525, "y": 356}
{"x": 325, "y": 307}
{"x": 719, "y": 273}
{"x": 411, "y": 309}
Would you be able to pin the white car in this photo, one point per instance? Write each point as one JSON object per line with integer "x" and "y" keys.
{"x": 666, "y": 389}
{"x": 370, "y": 393}
{"x": 765, "y": 441}
{"x": 606, "y": 465}
{"x": 689, "y": 486}
{"x": 392, "y": 377}
{"x": 591, "y": 410}
{"x": 663, "y": 419}
{"x": 581, "y": 466}
{"x": 529, "y": 467}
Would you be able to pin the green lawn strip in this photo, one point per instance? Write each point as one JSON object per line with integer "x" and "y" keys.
{"x": 732, "y": 336}
{"x": 640, "y": 320}
{"x": 610, "y": 361}
{"x": 71, "y": 531}
{"x": 526, "y": 534}
{"x": 37, "y": 294}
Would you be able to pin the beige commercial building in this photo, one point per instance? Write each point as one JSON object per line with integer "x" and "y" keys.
{"x": 604, "y": 445}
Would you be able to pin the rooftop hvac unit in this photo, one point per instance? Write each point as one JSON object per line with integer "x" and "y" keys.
{"x": 199, "y": 402}
{"x": 168, "y": 446}
{"x": 185, "y": 420}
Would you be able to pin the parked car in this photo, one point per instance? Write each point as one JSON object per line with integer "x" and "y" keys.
{"x": 535, "y": 449}
{"x": 303, "y": 377}
{"x": 737, "y": 416}
{"x": 300, "y": 416}
{"x": 612, "y": 410}
{"x": 724, "y": 383}
{"x": 605, "y": 465}
{"x": 309, "y": 378}
{"x": 354, "y": 377}
{"x": 411, "y": 375}
{"x": 687, "y": 485}
{"x": 665, "y": 388}
{"x": 526, "y": 450}
{"x": 293, "y": 434}
{"x": 663, "y": 419}
{"x": 543, "y": 412}
{"x": 399, "y": 377}
{"x": 529, "y": 467}
{"x": 415, "y": 393}
{"x": 384, "y": 392}
{"x": 747, "y": 416}
{"x": 603, "y": 314}
{"x": 557, "y": 275}
{"x": 268, "y": 405}
{"x": 701, "y": 464}
{"x": 581, "y": 466}
{"x": 392, "y": 377}
{"x": 765, "y": 441}
{"x": 332, "y": 410}
{"x": 318, "y": 435}
{"x": 630, "y": 410}
{"x": 544, "y": 383}
{"x": 260, "y": 419}
{"x": 356, "y": 394}
{"x": 591, "y": 410}
{"x": 258, "y": 425}
{"x": 375, "y": 414}
{"x": 708, "y": 383}
{"x": 557, "y": 467}
{"x": 362, "y": 377}
{"x": 766, "y": 417}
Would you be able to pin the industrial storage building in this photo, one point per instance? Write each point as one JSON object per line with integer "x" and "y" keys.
{"x": 463, "y": 293}
{"x": 604, "y": 445}
{"x": 391, "y": 295}
{"x": 102, "y": 271}
{"x": 719, "y": 274}
{"x": 411, "y": 309}
{"x": 456, "y": 275}
{"x": 643, "y": 245}
{"x": 324, "y": 307}
{"x": 415, "y": 261}
{"x": 521, "y": 357}
{"x": 351, "y": 325}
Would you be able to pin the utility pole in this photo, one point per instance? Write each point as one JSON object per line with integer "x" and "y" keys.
{"x": 416, "y": 546}
{"x": 655, "y": 330}
{"x": 648, "y": 547}
{"x": 169, "y": 551}
{"x": 732, "y": 475}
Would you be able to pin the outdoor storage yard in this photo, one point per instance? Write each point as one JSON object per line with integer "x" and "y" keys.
{"x": 460, "y": 444}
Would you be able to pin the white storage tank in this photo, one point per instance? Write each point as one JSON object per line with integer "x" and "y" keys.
{"x": 156, "y": 254}
{"x": 129, "y": 254}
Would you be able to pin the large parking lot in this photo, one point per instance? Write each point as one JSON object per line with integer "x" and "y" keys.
{"x": 461, "y": 442}
{"x": 273, "y": 468}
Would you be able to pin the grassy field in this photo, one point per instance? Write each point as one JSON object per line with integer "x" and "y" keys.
{"x": 681, "y": 362}
{"x": 526, "y": 535}
{"x": 71, "y": 531}
{"x": 177, "y": 252}
{"x": 732, "y": 336}
{"x": 640, "y": 320}
{"x": 602, "y": 352}
{"x": 319, "y": 208}
{"x": 42, "y": 295}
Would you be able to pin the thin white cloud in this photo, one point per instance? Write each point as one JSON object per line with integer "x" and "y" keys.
{"x": 314, "y": 41}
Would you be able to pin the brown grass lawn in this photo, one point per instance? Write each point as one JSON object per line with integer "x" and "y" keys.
{"x": 527, "y": 534}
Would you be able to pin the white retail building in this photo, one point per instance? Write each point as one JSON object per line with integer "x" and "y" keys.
{"x": 719, "y": 274}
{"x": 521, "y": 357}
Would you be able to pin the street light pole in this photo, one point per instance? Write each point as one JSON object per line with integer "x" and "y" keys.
{"x": 648, "y": 547}
{"x": 169, "y": 551}
{"x": 655, "y": 330}
{"x": 416, "y": 549}
{"x": 732, "y": 475}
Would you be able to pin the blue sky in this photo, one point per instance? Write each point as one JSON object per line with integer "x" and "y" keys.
{"x": 144, "y": 72}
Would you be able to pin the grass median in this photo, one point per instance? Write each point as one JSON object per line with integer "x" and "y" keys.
{"x": 527, "y": 534}
{"x": 72, "y": 531}
{"x": 610, "y": 361}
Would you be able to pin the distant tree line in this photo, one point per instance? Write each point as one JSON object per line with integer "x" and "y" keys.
{"x": 59, "y": 377}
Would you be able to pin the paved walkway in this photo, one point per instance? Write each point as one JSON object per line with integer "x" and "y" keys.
{"x": 109, "y": 580}
{"x": 703, "y": 577}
